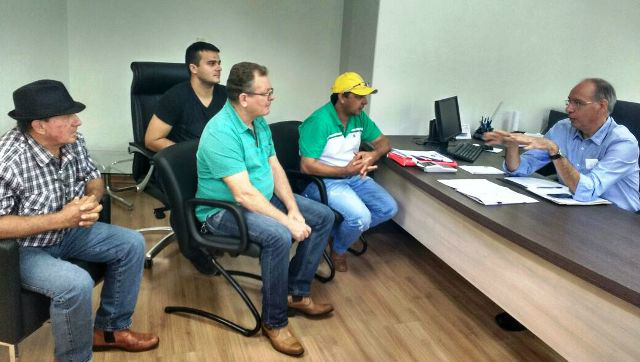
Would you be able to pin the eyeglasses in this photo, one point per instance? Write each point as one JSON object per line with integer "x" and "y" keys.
{"x": 268, "y": 93}
{"x": 361, "y": 84}
{"x": 577, "y": 104}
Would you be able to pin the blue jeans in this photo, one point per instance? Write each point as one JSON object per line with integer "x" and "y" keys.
{"x": 361, "y": 201}
{"x": 44, "y": 270}
{"x": 279, "y": 276}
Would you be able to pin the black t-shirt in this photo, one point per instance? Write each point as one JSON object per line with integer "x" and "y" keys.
{"x": 180, "y": 108}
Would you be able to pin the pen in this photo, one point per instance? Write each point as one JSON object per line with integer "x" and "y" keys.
{"x": 561, "y": 196}
{"x": 549, "y": 187}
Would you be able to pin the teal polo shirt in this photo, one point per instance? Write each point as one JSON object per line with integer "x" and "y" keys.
{"x": 322, "y": 136}
{"x": 228, "y": 147}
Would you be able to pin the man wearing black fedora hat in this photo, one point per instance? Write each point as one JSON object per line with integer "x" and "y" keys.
{"x": 49, "y": 202}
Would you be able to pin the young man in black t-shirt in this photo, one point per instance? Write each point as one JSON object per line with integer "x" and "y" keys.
{"x": 185, "y": 109}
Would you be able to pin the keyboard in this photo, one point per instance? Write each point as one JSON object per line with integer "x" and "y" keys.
{"x": 465, "y": 152}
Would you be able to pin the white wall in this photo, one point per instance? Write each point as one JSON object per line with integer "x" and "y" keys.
{"x": 525, "y": 52}
{"x": 299, "y": 41}
{"x": 529, "y": 53}
{"x": 33, "y": 45}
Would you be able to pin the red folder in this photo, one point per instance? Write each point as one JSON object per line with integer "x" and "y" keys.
{"x": 401, "y": 160}
{"x": 404, "y": 160}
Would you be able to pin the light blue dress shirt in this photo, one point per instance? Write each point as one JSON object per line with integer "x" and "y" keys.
{"x": 607, "y": 162}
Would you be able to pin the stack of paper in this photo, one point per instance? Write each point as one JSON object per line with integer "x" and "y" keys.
{"x": 487, "y": 192}
{"x": 482, "y": 170}
{"x": 552, "y": 191}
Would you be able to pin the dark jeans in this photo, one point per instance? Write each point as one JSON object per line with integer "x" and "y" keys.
{"x": 280, "y": 276}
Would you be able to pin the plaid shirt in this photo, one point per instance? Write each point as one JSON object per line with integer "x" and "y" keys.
{"x": 34, "y": 182}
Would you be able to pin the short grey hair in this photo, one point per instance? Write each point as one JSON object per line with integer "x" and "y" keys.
{"x": 241, "y": 79}
{"x": 604, "y": 90}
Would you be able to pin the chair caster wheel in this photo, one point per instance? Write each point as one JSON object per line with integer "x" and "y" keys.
{"x": 148, "y": 263}
{"x": 159, "y": 214}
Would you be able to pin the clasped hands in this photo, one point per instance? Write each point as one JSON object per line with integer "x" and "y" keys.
{"x": 81, "y": 212}
{"x": 511, "y": 140}
{"x": 361, "y": 164}
{"x": 297, "y": 225}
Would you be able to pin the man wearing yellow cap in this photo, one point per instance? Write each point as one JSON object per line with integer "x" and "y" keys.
{"x": 330, "y": 147}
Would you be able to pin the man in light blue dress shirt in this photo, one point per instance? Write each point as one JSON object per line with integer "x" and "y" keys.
{"x": 593, "y": 155}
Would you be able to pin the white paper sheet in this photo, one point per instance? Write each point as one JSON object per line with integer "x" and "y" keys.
{"x": 547, "y": 189}
{"x": 534, "y": 182}
{"x": 487, "y": 192}
{"x": 481, "y": 170}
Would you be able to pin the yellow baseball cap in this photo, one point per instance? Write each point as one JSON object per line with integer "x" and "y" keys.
{"x": 352, "y": 82}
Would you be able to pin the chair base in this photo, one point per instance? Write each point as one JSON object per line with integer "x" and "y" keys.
{"x": 362, "y": 250}
{"x": 159, "y": 246}
{"x": 216, "y": 318}
{"x": 159, "y": 212}
{"x": 332, "y": 269}
{"x": 13, "y": 351}
{"x": 505, "y": 321}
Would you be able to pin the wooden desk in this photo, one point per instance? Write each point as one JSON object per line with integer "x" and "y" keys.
{"x": 571, "y": 275}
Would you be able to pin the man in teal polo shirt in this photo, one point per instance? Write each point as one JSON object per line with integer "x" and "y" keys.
{"x": 330, "y": 147}
{"x": 237, "y": 162}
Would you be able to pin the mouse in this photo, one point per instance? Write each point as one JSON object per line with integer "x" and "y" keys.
{"x": 487, "y": 147}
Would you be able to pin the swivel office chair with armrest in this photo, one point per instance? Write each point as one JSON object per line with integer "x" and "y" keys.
{"x": 22, "y": 311}
{"x": 554, "y": 117}
{"x": 628, "y": 114}
{"x": 179, "y": 177}
{"x": 150, "y": 81}
{"x": 285, "y": 139}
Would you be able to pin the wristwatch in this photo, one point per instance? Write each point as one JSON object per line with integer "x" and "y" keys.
{"x": 557, "y": 155}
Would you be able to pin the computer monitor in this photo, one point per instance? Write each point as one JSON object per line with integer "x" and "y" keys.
{"x": 447, "y": 120}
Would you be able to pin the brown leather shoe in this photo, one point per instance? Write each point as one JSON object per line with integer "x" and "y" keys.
{"x": 339, "y": 261}
{"x": 307, "y": 306}
{"x": 283, "y": 340}
{"x": 125, "y": 339}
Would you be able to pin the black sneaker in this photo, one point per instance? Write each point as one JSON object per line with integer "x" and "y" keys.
{"x": 203, "y": 263}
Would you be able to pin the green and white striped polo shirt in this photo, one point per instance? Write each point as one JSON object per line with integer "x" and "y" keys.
{"x": 323, "y": 136}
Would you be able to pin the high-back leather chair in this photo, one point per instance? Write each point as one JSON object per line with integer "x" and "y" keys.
{"x": 150, "y": 81}
{"x": 22, "y": 311}
{"x": 285, "y": 140}
{"x": 179, "y": 177}
{"x": 628, "y": 115}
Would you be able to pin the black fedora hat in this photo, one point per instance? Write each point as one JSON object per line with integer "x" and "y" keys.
{"x": 43, "y": 99}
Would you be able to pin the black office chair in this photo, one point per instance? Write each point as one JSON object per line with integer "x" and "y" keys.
{"x": 628, "y": 115}
{"x": 176, "y": 166}
{"x": 287, "y": 153}
{"x": 150, "y": 81}
{"x": 22, "y": 311}
{"x": 285, "y": 139}
{"x": 554, "y": 117}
